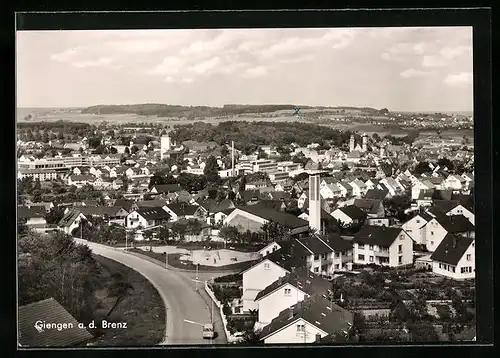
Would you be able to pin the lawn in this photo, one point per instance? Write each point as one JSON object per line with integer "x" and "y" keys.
{"x": 142, "y": 309}
{"x": 174, "y": 261}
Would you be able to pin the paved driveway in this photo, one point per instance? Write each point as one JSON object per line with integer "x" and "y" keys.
{"x": 177, "y": 290}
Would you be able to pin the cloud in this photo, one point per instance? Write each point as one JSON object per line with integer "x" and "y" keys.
{"x": 103, "y": 61}
{"x": 188, "y": 80}
{"x": 255, "y": 72}
{"x": 169, "y": 66}
{"x": 169, "y": 79}
{"x": 206, "y": 66}
{"x": 65, "y": 55}
{"x": 413, "y": 73}
{"x": 458, "y": 79}
{"x": 139, "y": 46}
{"x": 404, "y": 49}
{"x": 446, "y": 55}
{"x": 305, "y": 58}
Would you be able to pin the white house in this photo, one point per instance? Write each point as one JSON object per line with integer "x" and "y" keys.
{"x": 462, "y": 210}
{"x": 330, "y": 191}
{"x": 441, "y": 225}
{"x": 269, "y": 249}
{"x": 358, "y": 188}
{"x": 418, "y": 186}
{"x": 348, "y": 215}
{"x": 455, "y": 258}
{"x": 146, "y": 217}
{"x": 71, "y": 220}
{"x": 416, "y": 227}
{"x": 307, "y": 322}
{"x": 386, "y": 246}
{"x": 287, "y": 291}
{"x": 454, "y": 182}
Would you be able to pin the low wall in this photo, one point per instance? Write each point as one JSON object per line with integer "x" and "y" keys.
{"x": 229, "y": 337}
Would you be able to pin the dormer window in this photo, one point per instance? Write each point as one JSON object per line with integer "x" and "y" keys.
{"x": 266, "y": 265}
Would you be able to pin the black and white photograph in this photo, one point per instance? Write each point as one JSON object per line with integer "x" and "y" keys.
{"x": 256, "y": 186}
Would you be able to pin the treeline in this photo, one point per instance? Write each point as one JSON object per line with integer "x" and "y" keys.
{"x": 247, "y": 136}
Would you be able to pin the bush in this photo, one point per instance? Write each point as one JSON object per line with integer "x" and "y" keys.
{"x": 238, "y": 277}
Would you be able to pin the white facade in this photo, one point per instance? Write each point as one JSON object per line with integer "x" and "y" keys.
{"x": 400, "y": 252}
{"x": 415, "y": 227}
{"x": 134, "y": 220}
{"x": 269, "y": 249}
{"x": 298, "y": 331}
{"x": 454, "y": 182}
{"x": 434, "y": 234}
{"x": 341, "y": 216}
{"x": 74, "y": 224}
{"x": 460, "y": 210}
{"x": 314, "y": 203}
{"x": 271, "y": 305}
{"x": 465, "y": 269}
{"x": 165, "y": 145}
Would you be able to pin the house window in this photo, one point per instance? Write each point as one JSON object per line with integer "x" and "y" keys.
{"x": 266, "y": 265}
{"x": 371, "y": 247}
{"x": 418, "y": 221}
{"x": 337, "y": 254}
{"x": 316, "y": 269}
{"x": 432, "y": 242}
{"x": 267, "y": 252}
{"x": 400, "y": 259}
{"x": 453, "y": 268}
{"x": 468, "y": 257}
{"x": 336, "y": 266}
{"x": 361, "y": 257}
{"x": 400, "y": 249}
{"x": 401, "y": 237}
{"x": 288, "y": 291}
{"x": 323, "y": 257}
{"x": 371, "y": 258}
{"x": 301, "y": 328}
{"x": 361, "y": 246}
{"x": 316, "y": 257}
{"x": 440, "y": 266}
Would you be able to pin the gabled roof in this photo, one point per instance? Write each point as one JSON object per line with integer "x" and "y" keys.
{"x": 353, "y": 212}
{"x": 451, "y": 249}
{"x": 302, "y": 279}
{"x": 378, "y": 194}
{"x": 317, "y": 311}
{"x": 153, "y": 213}
{"x": 314, "y": 245}
{"x": 126, "y": 204}
{"x": 156, "y": 203}
{"x": 50, "y": 311}
{"x": 269, "y": 204}
{"x": 368, "y": 205}
{"x": 23, "y": 212}
{"x": 445, "y": 205}
{"x": 377, "y": 235}
{"x": 70, "y": 216}
{"x": 287, "y": 220}
{"x": 454, "y": 223}
{"x": 336, "y": 242}
{"x": 167, "y": 188}
{"x": 182, "y": 209}
{"x": 100, "y": 210}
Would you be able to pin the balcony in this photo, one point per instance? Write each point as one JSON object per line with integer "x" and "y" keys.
{"x": 382, "y": 253}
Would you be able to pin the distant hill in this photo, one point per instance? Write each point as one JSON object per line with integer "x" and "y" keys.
{"x": 165, "y": 110}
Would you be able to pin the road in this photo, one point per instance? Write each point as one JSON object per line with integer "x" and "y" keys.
{"x": 177, "y": 291}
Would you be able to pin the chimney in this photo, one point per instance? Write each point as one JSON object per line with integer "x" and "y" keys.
{"x": 318, "y": 337}
{"x": 454, "y": 242}
{"x": 290, "y": 313}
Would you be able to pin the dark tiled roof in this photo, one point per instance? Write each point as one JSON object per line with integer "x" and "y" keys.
{"x": 379, "y": 194}
{"x": 315, "y": 245}
{"x": 445, "y": 205}
{"x": 368, "y": 205}
{"x": 167, "y": 188}
{"x": 182, "y": 209}
{"x": 153, "y": 213}
{"x": 301, "y": 278}
{"x": 50, "y": 311}
{"x": 126, "y": 204}
{"x": 451, "y": 249}
{"x": 336, "y": 242}
{"x": 455, "y": 223}
{"x": 23, "y": 212}
{"x": 377, "y": 235}
{"x": 156, "y": 203}
{"x": 70, "y": 216}
{"x": 269, "y": 204}
{"x": 287, "y": 220}
{"x": 317, "y": 311}
{"x": 293, "y": 248}
{"x": 100, "y": 210}
{"x": 353, "y": 212}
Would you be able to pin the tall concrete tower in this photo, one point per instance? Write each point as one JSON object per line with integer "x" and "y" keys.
{"x": 314, "y": 203}
{"x": 382, "y": 150}
{"x": 165, "y": 145}
{"x": 365, "y": 143}
{"x": 351, "y": 143}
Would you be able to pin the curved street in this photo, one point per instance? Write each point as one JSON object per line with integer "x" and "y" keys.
{"x": 178, "y": 291}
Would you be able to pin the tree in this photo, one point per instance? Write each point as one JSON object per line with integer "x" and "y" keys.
{"x": 100, "y": 149}
{"x": 376, "y": 137}
{"x": 127, "y": 151}
{"x": 113, "y": 150}
{"x": 422, "y": 332}
{"x": 358, "y": 323}
{"x": 445, "y": 162}
{"x": 194, "y": 227}
{"x": 422, "y": 167}
{"x": 179, "y": 230}
{"x": 274, "y": 231}
{"x": 396, "y": 206}
{"x": 148, "y": 236}
{"x": 134, "y": 149}
{"x": 228, "y": 233}
{"x": 94, "y": 141}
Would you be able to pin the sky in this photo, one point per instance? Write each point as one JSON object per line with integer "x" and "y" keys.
{"x": 402, "y": 69}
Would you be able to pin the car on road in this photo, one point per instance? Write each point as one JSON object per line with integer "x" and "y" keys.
{"x": 208, "y": 331}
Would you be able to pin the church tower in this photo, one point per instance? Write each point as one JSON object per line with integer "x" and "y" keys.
{"x": 351, "y": 143}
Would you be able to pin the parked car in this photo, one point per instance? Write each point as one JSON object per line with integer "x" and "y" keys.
{"x": 208, "y": 331}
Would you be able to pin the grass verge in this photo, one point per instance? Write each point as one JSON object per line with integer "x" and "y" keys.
{"x": 142, "y": 308}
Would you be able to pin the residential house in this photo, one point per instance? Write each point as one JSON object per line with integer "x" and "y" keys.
{"x": 465, "y": 210}
{"x": 373, "y": 208}
{"x": 71, "y": 220}
{"x": 265, "y": 272}
{"x": 349, "y": 215}
{"x": 32, "y": 217}
{"x": 469, "y": 180}
{"x": 419, "y": 186}
{"x": 146, "y": 217}
{"x": 253, "y": 217}
{"x": 269, "y": 249}
{"x": 345, "y": 189}
{"x": 165, "y": 189}
{"x": 307, "y": 322}
{"x": 181, "y": 210}
{"x": 81, "y": 180}
{"x": 380, "y": 245}
{"x": 371, "y": 184}
{"x": 392, "y": 186}
{"x": 377, "y": 194}
{"x": 455, "y": 258}
{"x": 416, "y": 227}
{"x": 329, "y": 191}
{"x": 32, "y": 334}
{"x": 358, "y": 188}
{"x": 288, "y": 290}
{"x": 111, "y": 214}
{"x": 455, "y": 182}
{"x": 441, "y": 225}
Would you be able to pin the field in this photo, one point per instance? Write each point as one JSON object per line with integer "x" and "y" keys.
{"x": 74, "y": 115}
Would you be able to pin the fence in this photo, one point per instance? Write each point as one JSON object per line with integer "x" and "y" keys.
{"x": 229, "y": 337}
